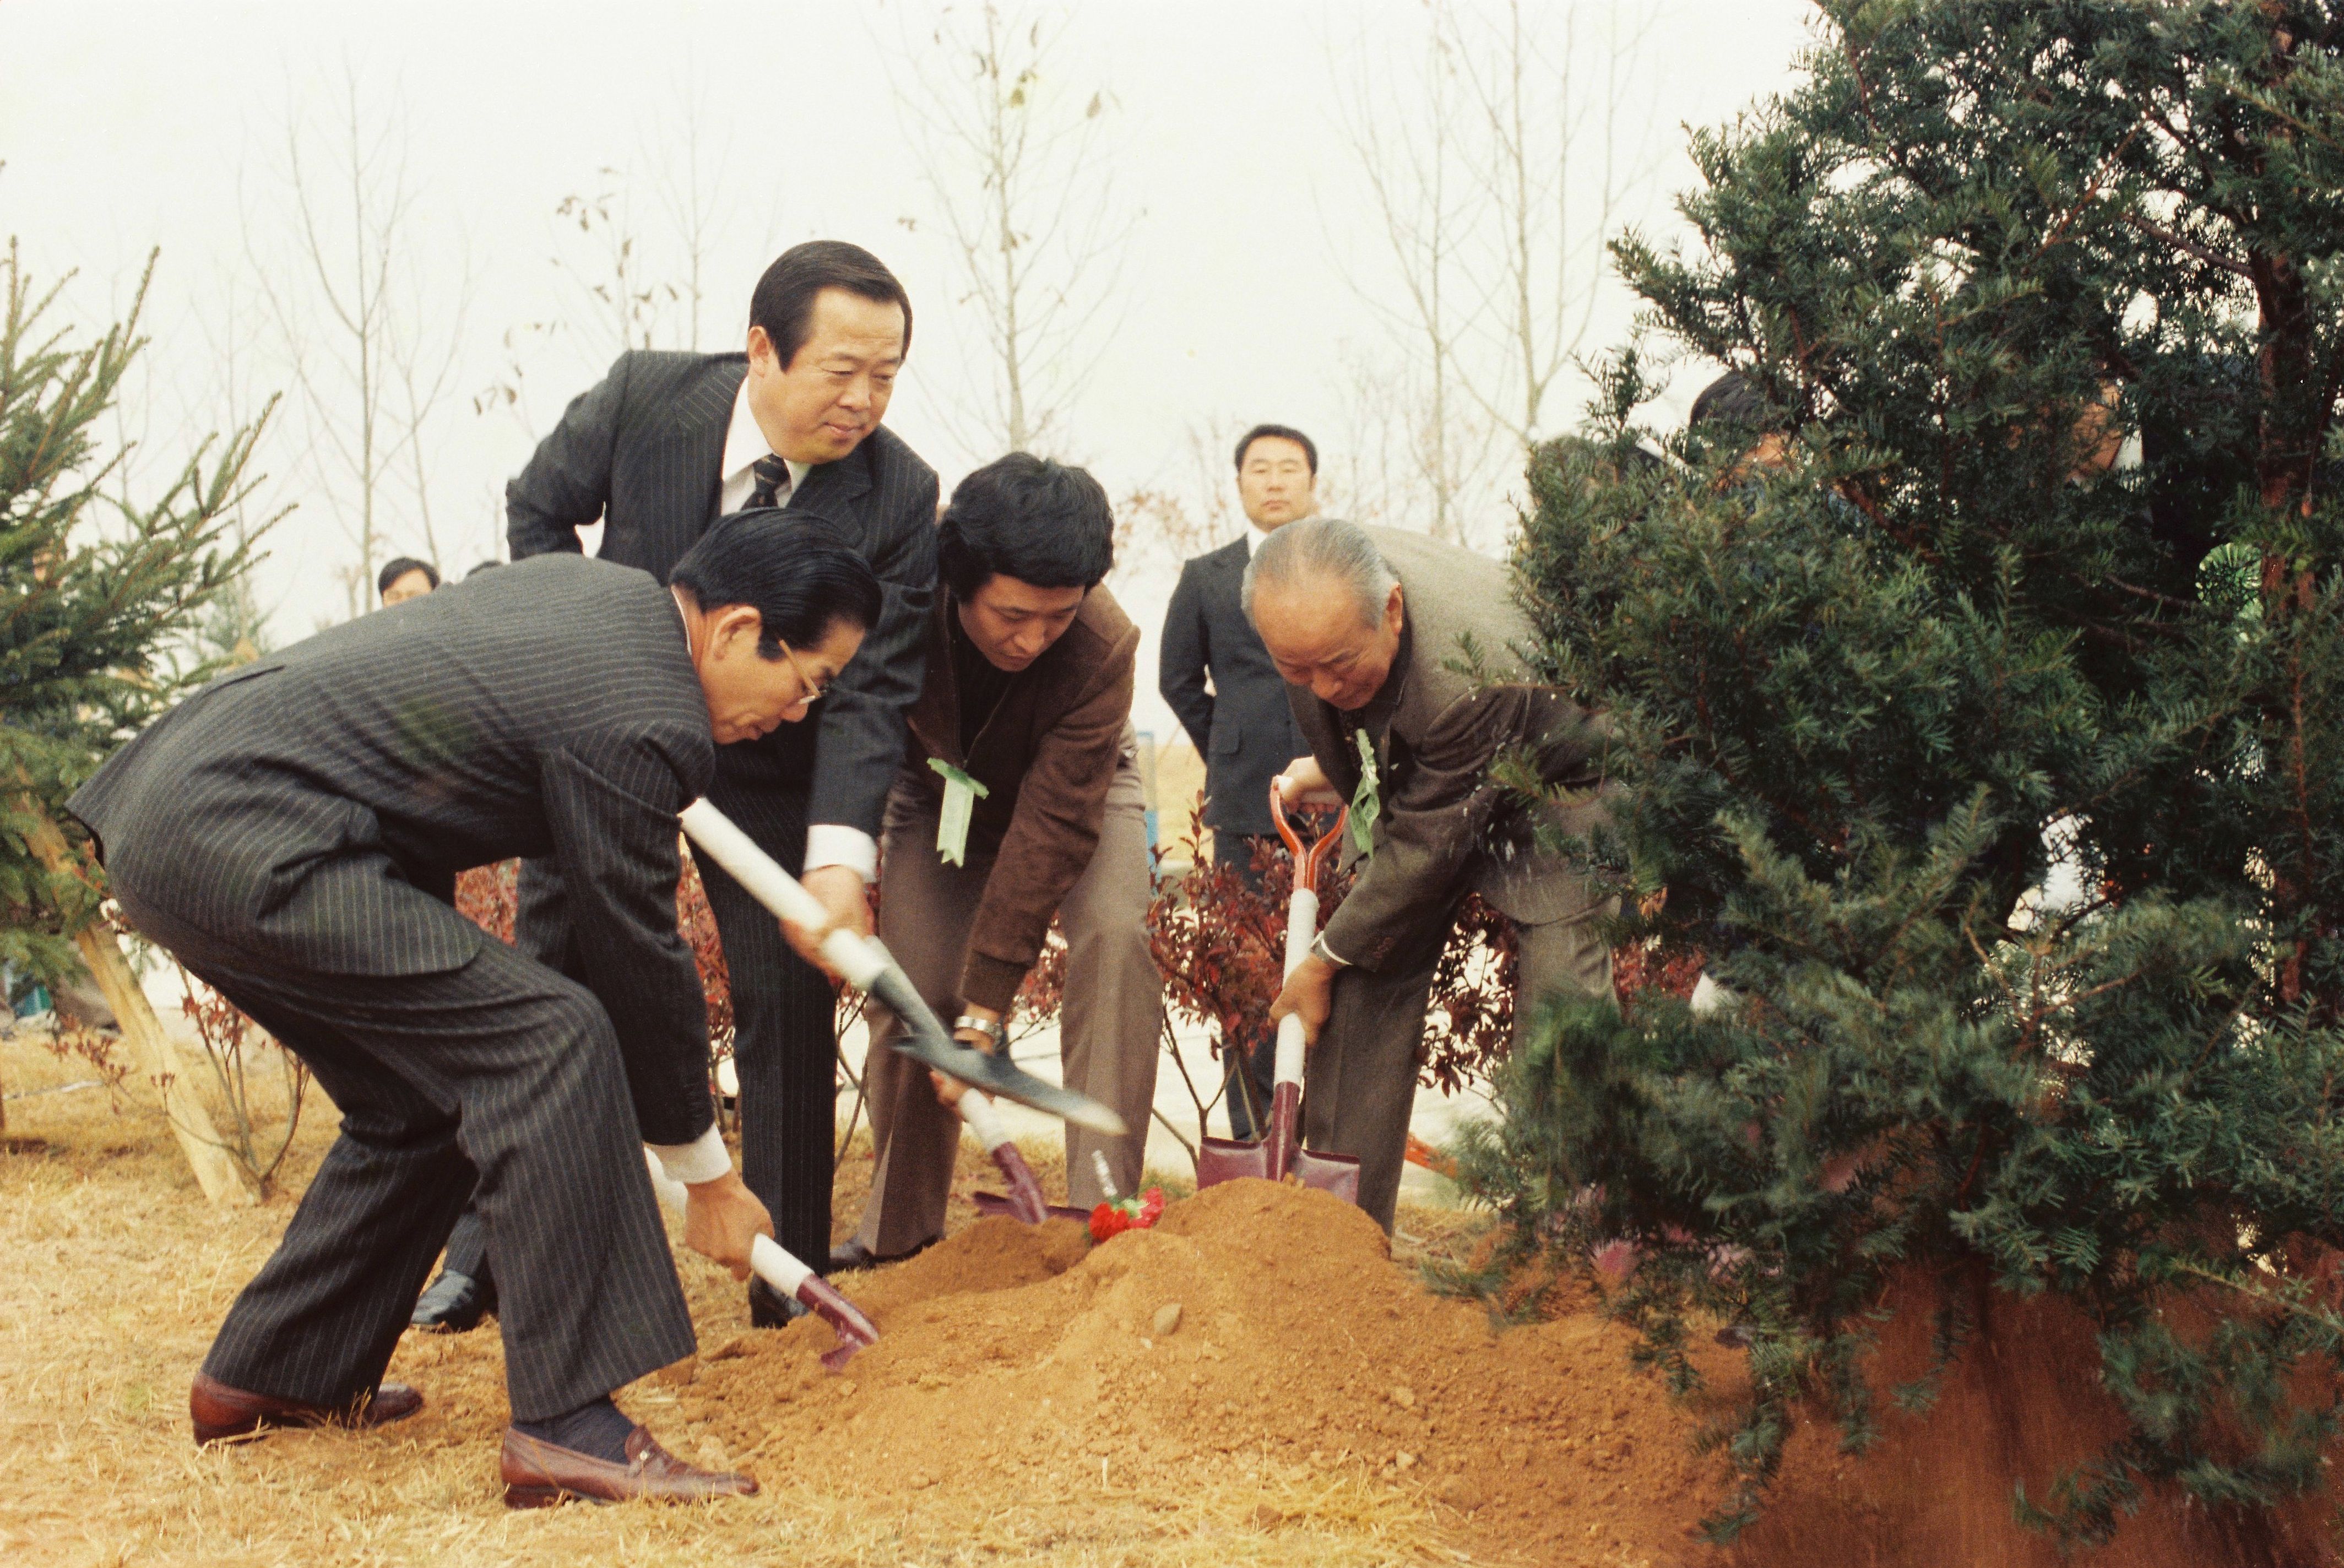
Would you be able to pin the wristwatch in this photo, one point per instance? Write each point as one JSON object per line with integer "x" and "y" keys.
{"x": 993, "y": 1030}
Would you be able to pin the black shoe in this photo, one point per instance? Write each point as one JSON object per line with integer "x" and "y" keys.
{"x": 768, "y": 1309}
{"x": 455, "y": 1303}
{"x": 851, "y": 1254}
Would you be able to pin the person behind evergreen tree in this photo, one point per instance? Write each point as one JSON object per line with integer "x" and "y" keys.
{"x": 1214, "y": 671}
{"x": 1731, "y": 410}
{"x": 1020, "y": 798}
{"x": 1368, "y": 627}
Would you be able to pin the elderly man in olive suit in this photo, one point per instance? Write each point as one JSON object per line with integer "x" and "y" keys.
{"x": 1400, "y": 656}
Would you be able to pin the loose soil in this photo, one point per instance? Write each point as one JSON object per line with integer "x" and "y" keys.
{"x": 1258, "y": 1328}
{"x": 1034, "y": 1399}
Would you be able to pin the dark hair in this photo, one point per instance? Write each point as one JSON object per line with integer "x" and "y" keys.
{"x": 1280, "y": 432}
{"x": 1028, "y": 518}
{"x": 398, "y": 567}
{"x": 783, "y": 302}
{"x": 794, "y": 569}
{"x": 1731, "y": 399}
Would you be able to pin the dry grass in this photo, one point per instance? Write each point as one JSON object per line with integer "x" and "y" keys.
{"x": 114, "y": 1274}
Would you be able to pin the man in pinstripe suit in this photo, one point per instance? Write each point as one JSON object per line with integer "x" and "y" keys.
{"x": 293, "y": 832}
{"x": 667, "y": 443}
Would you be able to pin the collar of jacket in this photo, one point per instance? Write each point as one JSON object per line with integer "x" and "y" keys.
{"x": 933, "y": 717}
{"x": 1375, "y": 717}
{"x": 703, "y": 414}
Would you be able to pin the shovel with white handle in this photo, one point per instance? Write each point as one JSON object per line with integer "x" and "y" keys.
{"x": 867, "y": 966}
{"x": 1024, "y": 1200}
{"x": 787, "y": 1278}
{"x": 1279, "y": 1153}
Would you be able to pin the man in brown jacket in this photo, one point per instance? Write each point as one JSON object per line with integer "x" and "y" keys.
{"x": 1020, "y": 798}
{"x": 1399, "y": 657}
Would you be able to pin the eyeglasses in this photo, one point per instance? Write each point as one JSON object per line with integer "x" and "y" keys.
{"x": 813, "y": 689}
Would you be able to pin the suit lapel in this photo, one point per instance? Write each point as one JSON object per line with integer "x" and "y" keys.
{"x": 692, "y": 445}
{"x": 1232, "y": 560}
{"x": 828, "y": 486}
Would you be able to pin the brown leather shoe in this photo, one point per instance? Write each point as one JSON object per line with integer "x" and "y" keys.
{"x": 539, "y": 1475}
{"x": 221, "y": 1412}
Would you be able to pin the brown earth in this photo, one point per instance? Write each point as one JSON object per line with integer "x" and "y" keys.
{"x": 1262, "y": 1328}
{"x": 2023, "y": 1405}
{"x": 1256, "y": 1329}
{"x": 1312, "y": 1404}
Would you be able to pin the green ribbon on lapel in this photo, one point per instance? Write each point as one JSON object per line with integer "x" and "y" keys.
{"x": 961, "y": 796}
{"x": 1366, "y": 804}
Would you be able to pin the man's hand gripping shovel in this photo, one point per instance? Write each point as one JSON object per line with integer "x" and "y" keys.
{"x": 1024, "y": 1201}
{"x": 787, "y": 1278}
{"x": 1274, "y": 1156}
{"x": 867, "y": 966}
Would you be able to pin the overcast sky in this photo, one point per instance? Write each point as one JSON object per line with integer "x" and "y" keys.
{"x": 1247, "y": 284}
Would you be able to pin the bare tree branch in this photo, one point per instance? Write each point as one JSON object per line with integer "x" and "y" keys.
{"x": 1016, "y": 162}
{"x": 370, "y": 357}
{"x": 1498, "y": 150}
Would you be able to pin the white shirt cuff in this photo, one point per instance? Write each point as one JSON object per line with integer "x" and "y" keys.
{"x": 835, "y": 844}
{"x": 694, "y": 1163}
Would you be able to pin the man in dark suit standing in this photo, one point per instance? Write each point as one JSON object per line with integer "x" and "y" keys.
{"x": 1219, "y": 679}
{"x": 293, "y": 833}
{"x": 667, "y": 443}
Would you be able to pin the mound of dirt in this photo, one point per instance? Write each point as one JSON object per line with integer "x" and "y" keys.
{"x": 1254, "y": 1325}
{"x": 1264, "y": 1329}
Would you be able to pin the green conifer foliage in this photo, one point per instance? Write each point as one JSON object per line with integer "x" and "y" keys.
{"x": 2002, "y": 786}
{"x": 98, "y": 596}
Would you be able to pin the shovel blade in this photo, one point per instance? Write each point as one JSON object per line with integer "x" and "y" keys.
{"x": 924, "y": 1041}
{"x": 990, "y": 1203}
{"x": 1335, "y": 1173}
{"x": 1220, "y": 1160}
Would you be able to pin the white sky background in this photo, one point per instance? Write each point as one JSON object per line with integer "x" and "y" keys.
{"x": 125, "y": 127}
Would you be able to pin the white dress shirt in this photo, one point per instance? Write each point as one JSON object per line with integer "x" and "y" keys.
{"x": 827, "y": 843}
{"x": 744, "y": 444}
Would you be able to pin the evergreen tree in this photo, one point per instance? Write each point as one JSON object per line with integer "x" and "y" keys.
{"x": 100, "y": 600}
{"x": 2001, "y": 786}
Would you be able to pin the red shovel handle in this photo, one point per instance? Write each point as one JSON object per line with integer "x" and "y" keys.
{"x": 1025, "y": 1193}
{"x": 846, "y": 1320}
{"x": 1283, "y": 1136}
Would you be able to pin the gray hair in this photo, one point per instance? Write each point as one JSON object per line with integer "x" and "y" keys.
{"x": 1322, "y": 546}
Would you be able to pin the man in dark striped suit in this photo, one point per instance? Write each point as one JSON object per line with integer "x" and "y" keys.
{"x": 663, "y": 445}
{"x": 292, "y": 833}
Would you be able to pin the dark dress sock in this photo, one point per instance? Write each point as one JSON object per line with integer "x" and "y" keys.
{"x": 598, "y": 1429}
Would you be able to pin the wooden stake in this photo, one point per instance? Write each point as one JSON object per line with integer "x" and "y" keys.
{"x": 158, "y": 1054}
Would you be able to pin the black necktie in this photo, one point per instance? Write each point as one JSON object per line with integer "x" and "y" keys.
{"x": 772, "y": 481}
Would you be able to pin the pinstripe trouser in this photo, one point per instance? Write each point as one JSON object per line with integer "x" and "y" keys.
{"x": 500, "y": 1070}
{"x": 785, "y": 1032}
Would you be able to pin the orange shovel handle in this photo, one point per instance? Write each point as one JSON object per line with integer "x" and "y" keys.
{"x": 1307, "y": 862}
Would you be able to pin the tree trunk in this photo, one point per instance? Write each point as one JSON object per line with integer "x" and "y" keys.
{"x": 156, "y": 1055}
